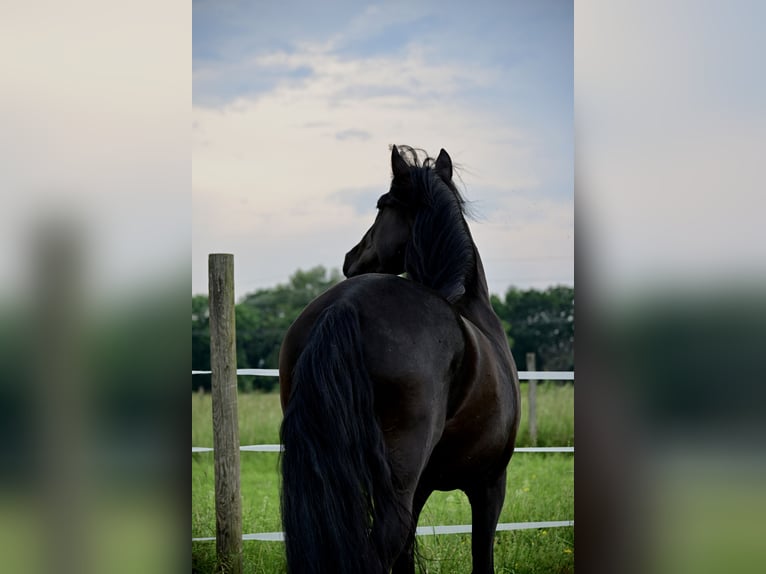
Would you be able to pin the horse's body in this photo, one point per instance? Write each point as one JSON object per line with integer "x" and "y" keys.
{"x": 393, "y": 388}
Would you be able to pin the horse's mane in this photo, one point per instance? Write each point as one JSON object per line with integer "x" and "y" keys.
{"x": 441, "y": 253}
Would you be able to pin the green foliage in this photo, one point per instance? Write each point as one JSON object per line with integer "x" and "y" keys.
{"x": 555, "y": 423}
{"x": 262, "y": 319}
{"x": 540, "y": 322}
{"x": 535, "y": 321}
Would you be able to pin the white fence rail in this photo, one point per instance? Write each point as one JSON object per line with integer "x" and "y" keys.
{"x": 421, "y": 530}
{"x": 280, "y": 448}
{"x": 523, "y": 375}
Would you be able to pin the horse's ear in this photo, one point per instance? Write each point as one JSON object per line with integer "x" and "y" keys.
{"x": 399, "y": 167}
{"x": 453, "y": 292}
{"x": 444, "y": 166}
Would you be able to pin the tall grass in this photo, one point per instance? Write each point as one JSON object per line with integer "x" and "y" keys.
{"x": 555, "y": 415}
{"x": 540, "y": 488}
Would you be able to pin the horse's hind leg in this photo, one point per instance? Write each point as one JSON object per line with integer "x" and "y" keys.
{"x": 486, "y": 503}
{"x": 390, "y": 531}
{"x": 405, "y": 564}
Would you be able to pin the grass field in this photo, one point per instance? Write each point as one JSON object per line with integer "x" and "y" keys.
{"x": 540, "y": 488}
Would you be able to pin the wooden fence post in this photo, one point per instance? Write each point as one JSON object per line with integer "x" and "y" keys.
{"x": 223, "y": 364}
{"x": 532, "y": 401}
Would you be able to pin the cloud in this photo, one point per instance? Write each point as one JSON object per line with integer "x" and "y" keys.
{"x": 352, "y": 135}
{"x": 387, "y": 100}
{"x": 361, "y": 200}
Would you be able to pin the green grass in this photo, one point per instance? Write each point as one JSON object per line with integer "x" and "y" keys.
{"x": 540, "y": 488}
{"x": 555, "y": 415}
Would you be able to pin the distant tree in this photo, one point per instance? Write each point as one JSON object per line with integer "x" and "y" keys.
{"x": 262, "y": 319}
{"x": 541, "y": 322}
{"x": 264, "y": 316}
{"x": 535, "y": 321}
{"x": 502, "y": 312}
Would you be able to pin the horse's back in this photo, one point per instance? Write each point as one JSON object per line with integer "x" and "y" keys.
{"x": 411, "y": 338}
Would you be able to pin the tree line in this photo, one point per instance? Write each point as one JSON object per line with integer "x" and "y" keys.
{"x": 539, "y": 321}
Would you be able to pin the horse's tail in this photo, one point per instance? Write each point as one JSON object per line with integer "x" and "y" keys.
{"x": 336, "y": 478}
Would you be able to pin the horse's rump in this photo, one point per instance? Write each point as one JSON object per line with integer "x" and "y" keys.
{"x": 430, "y": 369}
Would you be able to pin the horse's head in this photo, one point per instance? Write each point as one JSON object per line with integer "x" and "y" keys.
{"x": 383, "y": 247}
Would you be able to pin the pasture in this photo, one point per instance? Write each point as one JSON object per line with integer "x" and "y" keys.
{"x": 540, "y": 488}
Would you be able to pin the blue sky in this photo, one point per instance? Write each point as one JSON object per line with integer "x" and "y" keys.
{"x": 296, "y": 103}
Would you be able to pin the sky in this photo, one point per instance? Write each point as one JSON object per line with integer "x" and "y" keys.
{"x": 296, "y": 103}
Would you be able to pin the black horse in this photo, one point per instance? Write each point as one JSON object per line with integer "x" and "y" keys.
{"x": 393, "y": 388}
